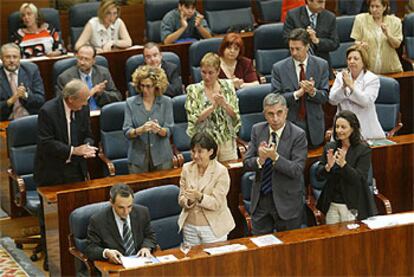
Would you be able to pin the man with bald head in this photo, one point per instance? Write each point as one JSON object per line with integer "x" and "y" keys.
{"x": 64, "y": 137}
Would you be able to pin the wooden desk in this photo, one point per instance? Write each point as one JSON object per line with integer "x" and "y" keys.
{"x": 329, "y": 250}
{"x": 393, "y": 169}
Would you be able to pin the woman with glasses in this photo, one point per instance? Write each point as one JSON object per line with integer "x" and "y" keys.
{"x": 148, "y": 122}
{"x": 106, "y": 31}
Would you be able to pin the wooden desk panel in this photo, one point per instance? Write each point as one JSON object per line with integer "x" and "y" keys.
{"x": 394, "y": 179}
{"x": 329, "y": 250}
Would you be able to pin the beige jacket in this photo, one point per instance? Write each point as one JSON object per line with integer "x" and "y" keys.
{"x": 214, "y": 187}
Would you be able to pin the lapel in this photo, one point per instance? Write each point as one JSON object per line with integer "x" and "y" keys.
{"x": 208, "y": 175}
{"x": 4, "y": 83}
{"x": 113, "y": 228}
{"x": 284, "y": 141}
{"x": 290, "y": 67}
{"x": 135, "y": 227}
{"x": 263, "y": 134}
{"x": 22, "y": 78}
{"x": 309, "y": 68}
{"x": 61, "y": 118}
{"x": 304, "y": 17}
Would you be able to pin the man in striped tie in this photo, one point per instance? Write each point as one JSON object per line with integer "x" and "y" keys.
{"x": 277, "y": 153}
{"x": 120, "y": 229}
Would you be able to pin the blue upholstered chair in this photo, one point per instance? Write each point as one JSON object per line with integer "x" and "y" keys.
{"x": 344, "y": 26}
{"x": 164, "y": 209}
{"x": 79, "y": 15}
{"x": 78, "y": 223}
{"x": 387, "y": 106}
{"x": 375, "y": 199}
{"x": 50, "y": 15}
{"x": 226, "y": 14}
{"x": 268, "y": 49}
{"x": 408, "y": 28}
{"x": 61, "y": 65}
{"x": 270, "y": 11}
{"x": 349, "y": 7}
{"x": 134, "y": 61}
{"x": 246, "y": 183}
{"x": 181, "y": 141}
{"x": 251, "y": 111}
{"x": 154, "y": 12}
{"x": 197, "y": 51}
{"x": 113, "y": 149}
{"x": 21, "y": 146}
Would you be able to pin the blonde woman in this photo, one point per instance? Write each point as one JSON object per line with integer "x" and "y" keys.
{"x": 107, "y": 30}
{"x": 212, "y": 107}
{"x": 148, "y": 122}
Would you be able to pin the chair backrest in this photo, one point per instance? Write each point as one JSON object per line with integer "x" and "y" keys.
{"x": 387, "y": 103}
{"x": 134, "y": 61}
{"x": 21, "y": 145}
{"x": 79, "y": 15}
{"x": 113, "y": 140}
{"x": 224, "y": 14}
{"x": 197, "y": 51}
{"x": 409, "y": 35}
{"x": 180, "y": 138}
{"x": 154, "y": 12}
{"x": 164, "y": 209}
{"x": 61, "y": 65}
{"x": 50, "y": 15}
{"x": 316, "y": 185}
{"x": 344, "y": 26}
{"x": 246, "y": 183}
{"x": 267, "y": 49}
{"x": 251, "y": 107}
{"x": 270, "y": 11}
{"x": 349, "y": 7}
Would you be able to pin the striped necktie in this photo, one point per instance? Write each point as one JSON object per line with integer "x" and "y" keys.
{"x": 267, "y": 171}
{"x": 312, "y": 19}
{"x": 128, "y": 239}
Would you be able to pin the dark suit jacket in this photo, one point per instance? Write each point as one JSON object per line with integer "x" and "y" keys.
{"x": 287, "y": 180}
{"x": 173, "y": 74}
{"x": 285, "y": 81}
{"x": 29, "y": 75}
{"x": 99, "y": 74}
{"x": 53, "y": 148}
{"x": 325, "y": 30}
{"x": 351, "y": 180}
{"x": 103, "y": 232}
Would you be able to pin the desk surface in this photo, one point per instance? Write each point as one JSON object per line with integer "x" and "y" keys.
{"x": 309, "y": 251}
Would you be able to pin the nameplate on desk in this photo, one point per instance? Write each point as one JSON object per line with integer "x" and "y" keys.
{"x": 225, "y": 249}
{"x": 266, "y": 240}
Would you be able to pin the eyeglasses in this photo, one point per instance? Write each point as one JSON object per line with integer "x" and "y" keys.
{"x": 144, "y": 86}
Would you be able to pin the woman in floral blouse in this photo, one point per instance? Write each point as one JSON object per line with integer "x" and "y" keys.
{"x": 212, "y": 107}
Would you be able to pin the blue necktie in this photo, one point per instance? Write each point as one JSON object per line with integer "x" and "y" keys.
{"x": 267, "y": 171}
{"x": 92, "y": 102}
{"x": 313, "y": 20}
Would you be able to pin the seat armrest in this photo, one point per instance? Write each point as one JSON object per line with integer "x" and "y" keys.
{"x": 106, "y": 161}
{"x": 21, "y": 188}
{"x": 242, "y": 146}
{"x": 245, "y": 214}
{"x": 318, "y": 216}
{"x": 383, "y": 203}
{"x": 396, "y": 128}
{"x": 80, "y": 256}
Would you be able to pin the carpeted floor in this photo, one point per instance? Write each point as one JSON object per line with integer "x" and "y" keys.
{"x": 13, "y": 261}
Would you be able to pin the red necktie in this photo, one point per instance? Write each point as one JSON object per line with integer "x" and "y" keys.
{"x": 302, "y": 108}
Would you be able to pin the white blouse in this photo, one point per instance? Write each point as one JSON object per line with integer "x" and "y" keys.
{"x": 101, "y": 35}
{"x": 360, "y": 101}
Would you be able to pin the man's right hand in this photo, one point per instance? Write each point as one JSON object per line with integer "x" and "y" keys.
{"x": 85, "y": 150}
{"x": 114, "y": 256}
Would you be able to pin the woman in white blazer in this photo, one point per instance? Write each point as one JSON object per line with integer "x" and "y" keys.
{"x": 204, "y": 184}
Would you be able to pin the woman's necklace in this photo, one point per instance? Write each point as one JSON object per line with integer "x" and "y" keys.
{"x": 228, "y": 69}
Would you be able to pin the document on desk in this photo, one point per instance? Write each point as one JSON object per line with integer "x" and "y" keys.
{"x": 167, "y": 258}
{"x": 266, "y": 240}
{"x": 225, "y": 249}
{"x": 381, "y": 221}
{"x": 134, "y": 261}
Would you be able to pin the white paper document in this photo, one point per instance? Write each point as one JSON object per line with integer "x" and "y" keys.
{"x": 235, "y": 165}
{"x": 225, "y": 249}
{"x": 266, "y": 240}
{"x": 134, "y": 261}
{"x": 382, "y": 221}
{"x": 167, "y": 258}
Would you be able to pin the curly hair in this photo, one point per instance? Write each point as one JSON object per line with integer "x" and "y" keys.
{"x": 155, "y": 74}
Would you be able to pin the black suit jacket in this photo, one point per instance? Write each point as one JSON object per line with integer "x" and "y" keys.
{"x": 103, "y": 232}
{"x": 173, "y": 74}
{"x": 99, "y": 74}
{"x": 29, "y": 76}
{"x": 325, "y": 30}
{"x": 351, "y": 180}
{"x": 53, "y": 148}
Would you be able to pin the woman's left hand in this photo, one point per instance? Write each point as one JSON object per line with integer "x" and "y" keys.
{"x": 219, "y": 99}
{"x": 384, "y": 29}
{"x": 346, "y": 77}
{"x": 340, "y": 157}
{"x": 193, "y": 195}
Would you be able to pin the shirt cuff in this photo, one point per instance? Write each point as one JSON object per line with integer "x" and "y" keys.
{"x": 258, "y": 163}
{"x": 104, "y": 253}
{"x": 295, "y": 95}
{"x": 70, "y": 155}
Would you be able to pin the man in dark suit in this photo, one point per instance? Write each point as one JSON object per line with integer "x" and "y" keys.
{"x": 303, "y": 81}
{"x": 64, "y": 137}
{"x": 98, "y": 78}
{"x": 320, "y": 25}
{"x": 153, "y": 57}
{"x": 21, "y": 87}
{"x": 122, "y": 229}
{"x": 277, "y": 153}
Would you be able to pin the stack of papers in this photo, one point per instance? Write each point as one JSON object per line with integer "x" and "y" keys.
{"x": 379, "y": 142}
{"x": 225, "y": 249}
{"x": 382, "y": 221}
{"x": 266, "y": 240}
{"x": 134, "y": 261}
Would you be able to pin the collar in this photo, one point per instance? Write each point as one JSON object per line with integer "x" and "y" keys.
{"x": 101, "y": 27}
{"x": 278, "y": 132}
{"x": 119, "y": 220}
{"x": 83, "y": 75}
{"x": 8, "y": 72}
{"x": 309, "y": 12}
{"x": 67, "y": 109}
{"x": 305, "y": 62}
